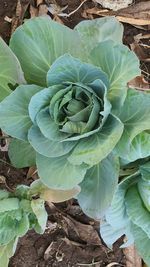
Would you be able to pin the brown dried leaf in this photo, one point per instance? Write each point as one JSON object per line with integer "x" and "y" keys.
{"x": 39, "y": 2}
{"x": 32, "y": 173}
{"x": 33, "y": 11}
{"x": 132, "y": 257}
{"x": 133, "y": 21}
{"x": 139, "y": 83}
{"x": 137, "y": 14}
{"x": 84, "y": 232}
{"x": 139, "y": 51}
{"x": 20, "y": 11}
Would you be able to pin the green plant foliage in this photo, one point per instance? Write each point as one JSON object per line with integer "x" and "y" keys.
{"x": 10, "y": 70}
{"x": 69, "y": 115}
{"x": 24, "y": 209}
{"x": 130, "y": 212}
{"x": 18, "y": 213}
{"x": 74, "y": 118}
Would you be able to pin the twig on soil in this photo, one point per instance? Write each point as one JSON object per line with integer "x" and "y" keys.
{"x": 74, "y": 11}
{"x": 5, "y": 162}
{"x": 3, "y": 182}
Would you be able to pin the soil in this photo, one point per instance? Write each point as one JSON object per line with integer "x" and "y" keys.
{"x": 71, "y": 238}
{"x": 7, "y": 8}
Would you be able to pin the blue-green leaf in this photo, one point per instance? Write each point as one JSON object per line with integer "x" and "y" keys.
{"x": 99, "y": 30}
{"x": 21, "y": 153}
{"x": 98, "y": 187}
{"x": 59, "y": 173}
{"x": 139, "y": 147}
{"x": 48, "y": 127}
{"x": 14, "y": 116}
{"x": 69, "y": 69}
{"x": 142, "y": 242}
{"x": 136, "y": 211}
{"x": 120, "y": 64}
{"x": 39, "y": 41}
{"x": 47, "y": 147}
{"x": 135, "y": 118}
{"x": 10, "y": 70}
{"x": 41, "y": 100}
{"x": 95, "y": 148}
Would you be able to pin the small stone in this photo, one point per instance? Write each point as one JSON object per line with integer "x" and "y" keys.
{"x": 114, "y": 4}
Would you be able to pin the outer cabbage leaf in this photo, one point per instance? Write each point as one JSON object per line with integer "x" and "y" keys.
{"x": 10, "y": 70}
{"x": 95, "y": 31}
{"x": 59, "y": 173}
{"x": 47, "y": 147}
{"x": 120, "y": 64}
{"x": 137, "y": 213}
{"x": 14, "y": 115}
{"x": 40, "y": 41}
{"x": 98, "y": 186}
{"x": 117, "y": 222}
{"x": 142, "y": 242}
{"x": 135, "y": 120}
{"x": 144, "y": 185}
{"x": 21, "y": 153}
{"x": 110, "y": 234}
{"x": 139, "y": 147}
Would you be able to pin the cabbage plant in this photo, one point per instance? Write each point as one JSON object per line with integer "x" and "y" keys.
{"x": 65, "y": 115}
{"x": 70, "y": 112}
{"x": 129, "y": 213}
